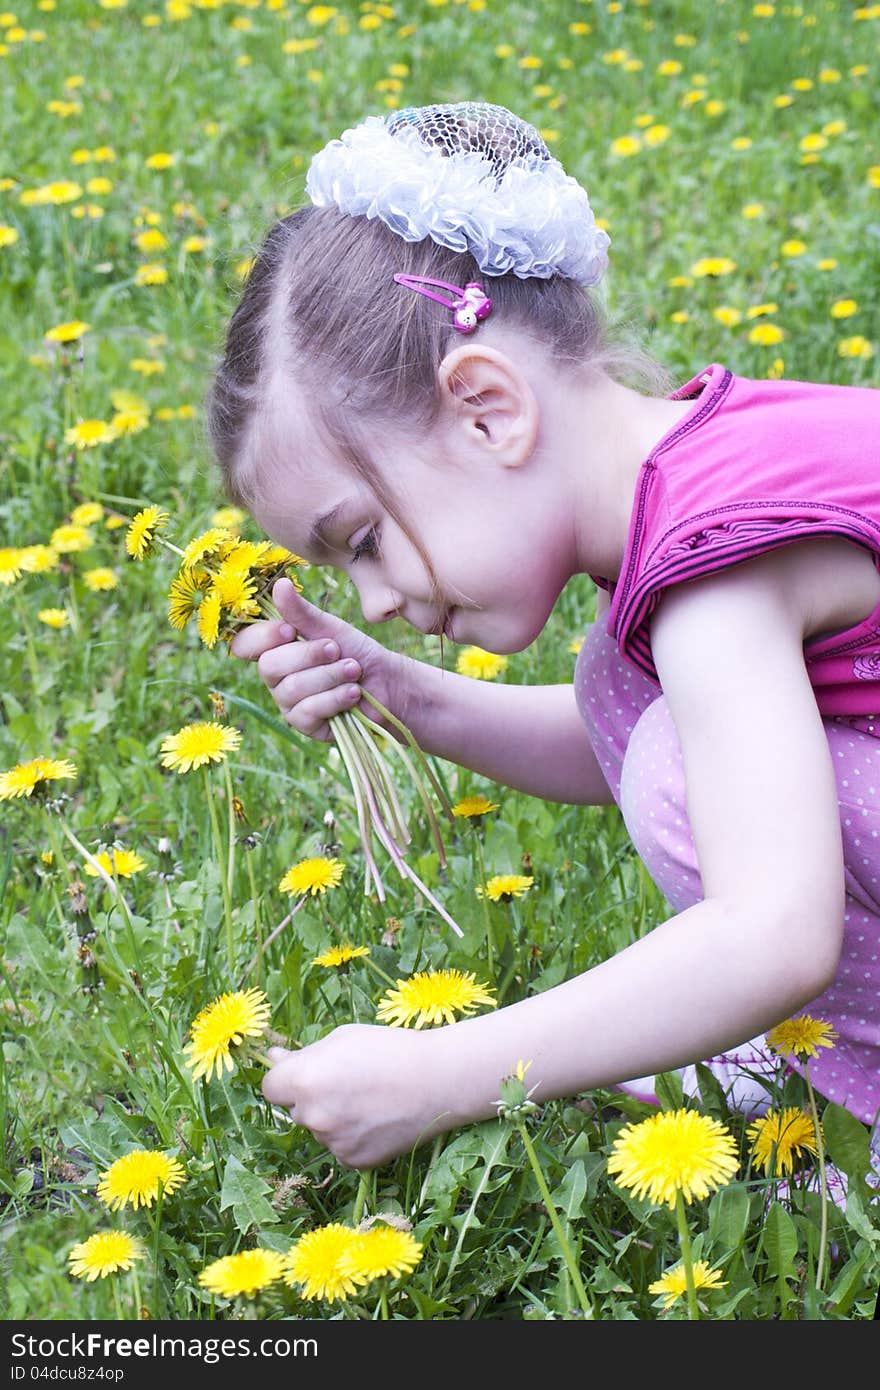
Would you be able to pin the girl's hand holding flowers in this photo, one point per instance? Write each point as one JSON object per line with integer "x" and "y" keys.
{"x": 313, "y": 664}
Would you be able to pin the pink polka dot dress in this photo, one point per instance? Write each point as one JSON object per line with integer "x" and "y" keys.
{"x": 633, "y": 735}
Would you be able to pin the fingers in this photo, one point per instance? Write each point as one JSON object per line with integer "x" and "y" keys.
{"x": 256, "y": 638}
{"x": 310, "y": 682}
{"x": 300, "y": 614}
{"x": 278, "y": 1084}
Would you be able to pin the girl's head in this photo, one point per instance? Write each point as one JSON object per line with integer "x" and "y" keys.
{"x": 333, "y": 369}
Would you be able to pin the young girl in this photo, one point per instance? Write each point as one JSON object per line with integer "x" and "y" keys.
{"x": 418, "y": 389}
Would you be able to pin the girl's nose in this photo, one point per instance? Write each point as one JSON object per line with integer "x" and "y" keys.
{"x": 378, "y": 601}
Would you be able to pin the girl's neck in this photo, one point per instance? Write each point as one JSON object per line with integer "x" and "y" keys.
{"x": 614, "y": 430}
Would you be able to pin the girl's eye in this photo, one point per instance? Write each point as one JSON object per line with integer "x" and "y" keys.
{"x": 367, "y": 547}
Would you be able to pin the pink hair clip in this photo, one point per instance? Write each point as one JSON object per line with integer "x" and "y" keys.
{"x": 469, "y": 306}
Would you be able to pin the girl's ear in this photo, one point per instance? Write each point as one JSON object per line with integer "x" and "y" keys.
{"x": 490, "y": 400}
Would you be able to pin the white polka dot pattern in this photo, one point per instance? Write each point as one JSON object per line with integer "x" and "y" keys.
{"x": 634, "y": 738}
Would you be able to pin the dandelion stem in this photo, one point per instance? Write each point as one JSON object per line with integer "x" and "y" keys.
{"x": 687, "y": 1259}
{"x": 221, "y": 858}
{"x": 230, "y": 809}
{"x": 271, "y": 937}
{"x": 360, "y": 1200}
{"x": 823, "y": 1180}
{"x": 565, "y": 1247}
{"x": 257, "y": 962}
{"x": 487, "y": 916}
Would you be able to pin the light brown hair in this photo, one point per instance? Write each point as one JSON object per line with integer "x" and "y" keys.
{"x": 321, "y": 303}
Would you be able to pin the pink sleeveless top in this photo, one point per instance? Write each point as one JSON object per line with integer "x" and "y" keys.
{"x": 751, "y": 466}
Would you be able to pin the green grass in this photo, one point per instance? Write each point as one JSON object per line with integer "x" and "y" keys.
{"x": 92, "y": 1053}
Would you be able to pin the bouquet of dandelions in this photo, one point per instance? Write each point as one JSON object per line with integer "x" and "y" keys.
{"x": 224, "y": 582}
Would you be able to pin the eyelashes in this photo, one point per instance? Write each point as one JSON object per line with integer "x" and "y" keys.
{"x": 367, "y": 547}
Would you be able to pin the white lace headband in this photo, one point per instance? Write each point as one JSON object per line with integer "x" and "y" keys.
{"x": 472, "y": 177}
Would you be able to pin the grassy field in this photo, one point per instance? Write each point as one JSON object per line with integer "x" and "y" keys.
{"x": 731, "y": 151}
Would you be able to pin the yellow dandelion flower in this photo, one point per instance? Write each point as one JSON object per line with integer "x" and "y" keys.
{"x": 766, "y": 334}
{"x": 857, "y": 346}
{"x": 225, "y": 1024}
{"x": 11, "y": 566}
{"x": 844, "y": 308}
{"x": 229, "y": 518}
{"x": 196, "y": 745}
{"x": 433, "y": 996}
{"x": 673, "y": 1284}
{"x": 656, "y": 135}
{"x": 624, "y": 146}
{"x": 141, "y": 534}
{"x": 741, "y": 142}
{"x": 104, "y": 1253}
{"x": 130, "y": 421}
{"x": 151, "y": 274}
{"x": 471, "y": 806}
{"x": 874, "y": 176}
{"x": 314, "y": 1262}
{"x": 813, "y": 142}
{"x": 312, "y": 876}
{"x": 208, "y": 543}
{"x": 713, "y": 265}
{"x": 8, "y": 235}
{"x": 757, "y": 311}
{"x": 194, "y": 244}
{"x": 134, "y": 1179}
{"x": 100, "y": 580}
{"x": 208, "y": 621}
{"x": 54, "y": 617}
{"x": 67, "y": 332}
{"x": 36, "y": 559}
{"x": 86, "y": 434}
{"x": 753, "y": 210}
{"x": 123, "y": 863}
{"x": 26, "y": 778}
{"x": 793, "y": 247}
{"x": 68, "y": 539}
{"x": 123, "y": 401}
{"x": 147, "y": 366}
{"x": 480, "y": 665}
{"x": 780, "y": 1137}
{"x": 242, "y": 1274}
{"x": 151, "y": 240}
{"x": 236, "y": 590}
{"x": 671, "y": 1152}
{"x": 801, "y": 1036}
{"x": 503, "y": 888}
{"x": 382, "y": 1250}
{"x": 728, "y": 316}
{"x": 185, "y": 596}
{"x": 87, "y": 514}
{"x": 340, "y": 955}
{"x": 160, "y": 160}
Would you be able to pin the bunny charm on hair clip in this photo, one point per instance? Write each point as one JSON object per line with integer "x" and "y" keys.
{"x": 470, "y": 306}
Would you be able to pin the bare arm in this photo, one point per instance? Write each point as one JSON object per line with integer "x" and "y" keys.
{"x": 531, "y": 738}
{"x": 764, "y": 941}
{"x": 527, "y": 737}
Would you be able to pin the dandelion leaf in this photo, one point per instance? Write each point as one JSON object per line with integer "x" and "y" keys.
{"x": 846, "y": 1140}
{"x": 245, "y": 1192}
